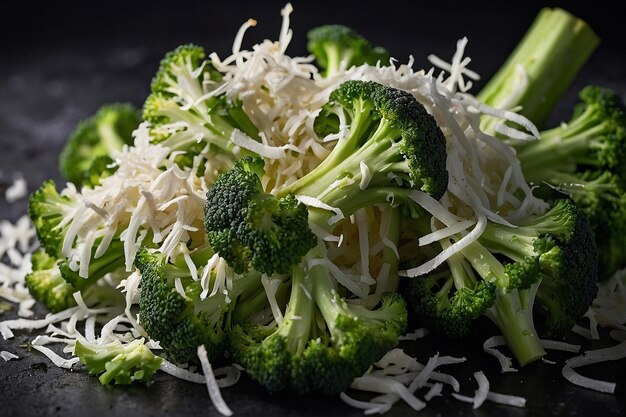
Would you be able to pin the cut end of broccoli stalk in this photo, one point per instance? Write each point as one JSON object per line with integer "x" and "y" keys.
{"x": 512, "y": 312}
{"x": 541, "y": 68}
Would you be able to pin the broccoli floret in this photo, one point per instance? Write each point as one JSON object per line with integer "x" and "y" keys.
{"x": 323, "y": 342}
{"x": 182, "y": 323}
{"x": 389, "y": 131}
{"x": 337, "y": 48}
{"x": 568, "y": 260}
{"x": 179, "y": 94}
{"x": 112, "y": 260}
{"x": 101, "y": 167}
{"x": 118, "y": 363}
{"x": 53, "y": 283}
{"x": 255, "y": 229}
{"x": 549, "y": 56}
{"x": 99, "y": 135}
{"x": 584, "y": 158}
{"x": 551, "y": 257}
{"x": 46, "y": 283}
{"x": 47, "y": 208}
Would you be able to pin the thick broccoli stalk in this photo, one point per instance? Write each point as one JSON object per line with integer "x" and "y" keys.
{"x": 100, "y": 135}
{"x": 323, "y": 342}
{"x": 541, "y": 68}
{"x": 585, "y": 158}
{"x": 118, "y": 363}
{"x": 337, "y": 48}
{"x": 46, "y": 284}
{"x": 180, "y": 94}
{"x": 182, "y": 323}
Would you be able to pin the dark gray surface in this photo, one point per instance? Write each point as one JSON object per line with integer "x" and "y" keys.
{"x": 62, "y": 63}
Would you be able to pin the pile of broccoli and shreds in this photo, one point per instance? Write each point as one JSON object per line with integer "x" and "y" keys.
{"x": 541, "y": 266}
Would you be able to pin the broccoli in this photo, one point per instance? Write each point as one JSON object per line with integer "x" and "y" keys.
{"x": 585, "y": 158}
{"x": 48, "y": 210}
{"x": 548, "y": 58}
{"x": 255, "y": 229}
{"x": 390, "y": 132}
{"x": 99, "y": 135}
{"x": 54, "y": 284}
{"x": 337, "y": 48}
{"x": 117, "y": 362}
{"x": 323, "y": 342}
{"x": 47, "y": 285}
{"x": 179, "y": 95}
{"x": 551, "y": 257}
{"x": 100, "y": 168}
{"x": 182, "y": 323}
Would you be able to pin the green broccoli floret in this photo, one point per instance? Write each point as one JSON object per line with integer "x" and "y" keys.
{"x": 118, "y": 363}
{"x": 337, "y": 48}
{"x": 323, "y": 342}
{"x": 47, "y": 208}
{"x": 548, "y": 58}
{"x": 584, "y": 158}
{"x": 101, "y": 167}
{"x": 179, "y": 95}
{"x": 182, "y": 323}
{"x": 53, "y": 283}
{"x": 99, "y": 135}
{"x": 46, "y": 283}
{"x": 551, "y": 257}
{"x": 568, "y": 260}
{"x": 389, "y": 131}
{"x": 255, "y": 229}
{"x": 112, "y": 260}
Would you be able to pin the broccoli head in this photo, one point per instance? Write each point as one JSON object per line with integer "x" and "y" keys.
{"x": 180, "y": 101}
{"x": 47, "y": 210}
{"x": 118, "y": 363}
{"x": 323, "y": 342}
{"x": 584, "y": 158}
{"x": 99, "y": 135}
{"x": 46, "y": 283}
{"x": 253, "y": 229}
{"x": 337, "y": 48}
{"x": 180, "y": 322}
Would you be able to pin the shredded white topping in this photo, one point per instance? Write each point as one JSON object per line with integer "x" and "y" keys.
{"x": 7, "y": 356}
{"x": 591, "y": 357}
{"x": 17, "y": 190}
{"x": 489, "y": 346}
{"x": 211, "y": 383}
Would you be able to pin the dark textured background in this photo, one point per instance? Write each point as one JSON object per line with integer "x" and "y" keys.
{"x": 62, "y": 60}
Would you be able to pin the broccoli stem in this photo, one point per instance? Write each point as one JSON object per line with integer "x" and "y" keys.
{"x": 333, "y": 58}
{"x": 551, "y": 54}
{"x": 299, "y": 317}
{"x": 391, "y": 217}
{"x": 561, "y": 149}
{"x": 512, "y": 313}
